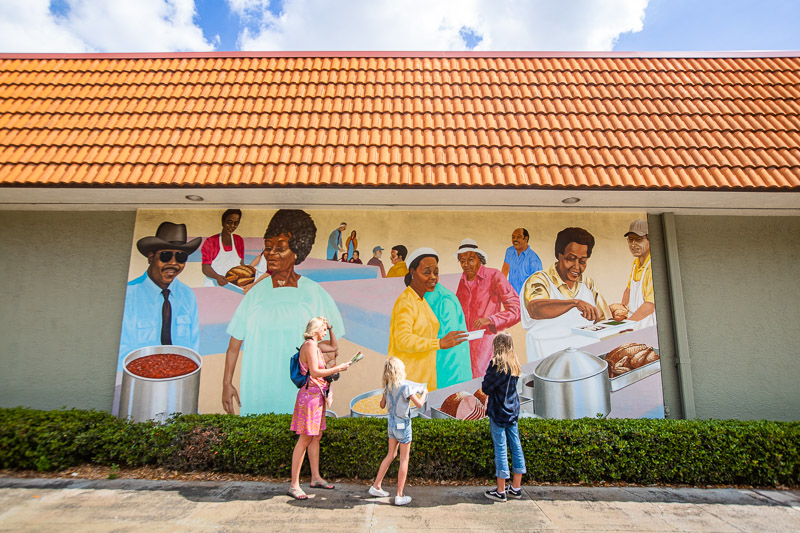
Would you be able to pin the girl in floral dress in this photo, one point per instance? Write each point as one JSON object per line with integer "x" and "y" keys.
{"x": 308, "y": 420}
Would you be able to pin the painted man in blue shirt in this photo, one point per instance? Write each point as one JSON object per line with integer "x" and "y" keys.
{"x": 335, "y": 243}
{"x": 159, "y": 309}
{"x": 520, "y": 261}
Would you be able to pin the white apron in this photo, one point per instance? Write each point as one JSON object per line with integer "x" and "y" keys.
{"x": 549, "y": 335}
{"x": 261, "y": 267}
{"x": 636, "y": 299}
{"x": 223, "y": 262}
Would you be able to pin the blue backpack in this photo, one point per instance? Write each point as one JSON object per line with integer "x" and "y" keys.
{"x": 298, "y": 378}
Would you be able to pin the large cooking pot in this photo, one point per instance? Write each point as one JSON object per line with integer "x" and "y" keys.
{"x": 157, "y": 399}
{"x": 571, "y": 384}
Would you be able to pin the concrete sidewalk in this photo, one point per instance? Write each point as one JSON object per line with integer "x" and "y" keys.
{"x": 155, "y": 506}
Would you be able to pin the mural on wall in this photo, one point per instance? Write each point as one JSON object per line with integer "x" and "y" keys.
{"x": 210, "y": 322}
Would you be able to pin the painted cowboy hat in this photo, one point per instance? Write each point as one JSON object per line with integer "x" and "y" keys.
{"x": 168, "y": 236}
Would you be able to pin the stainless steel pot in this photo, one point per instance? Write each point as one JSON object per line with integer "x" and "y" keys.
{"x": 157, "y": 399}
{"x": 571, "y": 384}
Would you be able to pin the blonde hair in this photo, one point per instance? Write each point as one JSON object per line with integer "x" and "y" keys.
{"x": 505, "y": 358}
{"x": 394, "y": 372}
{"x": 314, "y": 325}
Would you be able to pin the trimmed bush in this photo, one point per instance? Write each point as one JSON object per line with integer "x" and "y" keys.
{"x": 692, "y": 452}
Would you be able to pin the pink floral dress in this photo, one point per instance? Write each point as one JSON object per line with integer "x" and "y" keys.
{"x": 309, "y": 408}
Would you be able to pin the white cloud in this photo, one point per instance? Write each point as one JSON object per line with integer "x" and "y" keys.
{"x": 435, "y": 24}
{"x": 101, "y": 26}
{"x": 28, "y": 26}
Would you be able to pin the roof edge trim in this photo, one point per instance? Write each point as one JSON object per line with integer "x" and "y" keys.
{"x": 406, "y": 54}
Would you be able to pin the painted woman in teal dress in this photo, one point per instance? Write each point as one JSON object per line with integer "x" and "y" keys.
{"x": 269, "y": 323}
{"x": 453, "y": 365}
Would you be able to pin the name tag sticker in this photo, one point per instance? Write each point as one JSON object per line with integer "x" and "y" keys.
{"x": 401, "y": 425}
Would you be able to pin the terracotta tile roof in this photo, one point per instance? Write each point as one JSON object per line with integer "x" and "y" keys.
{"x": 613, "y": 121}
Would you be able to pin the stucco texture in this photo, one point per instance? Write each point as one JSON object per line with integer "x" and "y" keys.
{"x": 742, "y": 299}
{"x": 63, "y": 292}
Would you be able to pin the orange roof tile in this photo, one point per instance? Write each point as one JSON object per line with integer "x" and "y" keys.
{"x": 603, "y": 121}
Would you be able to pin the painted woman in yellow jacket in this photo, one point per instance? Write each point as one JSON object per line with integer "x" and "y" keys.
{"x": 414, "y": 327}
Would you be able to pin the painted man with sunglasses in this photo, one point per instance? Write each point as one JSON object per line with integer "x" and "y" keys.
{"x": 159, "y": 309}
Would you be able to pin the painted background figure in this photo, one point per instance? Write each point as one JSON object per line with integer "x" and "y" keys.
{"x": 271, "y": 318}
{"x": 377, "y": 252}
{"x": 638, "y": 298}
{"x": 398, "y": 260}
{"x": 336, "y": 243}
{"x": 489, "y": 302}
{"x": 520, "y": 260}
{"x": 223, "y": 251}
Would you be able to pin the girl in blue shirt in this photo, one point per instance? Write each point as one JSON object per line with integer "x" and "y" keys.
{"x": 398, "y": 394}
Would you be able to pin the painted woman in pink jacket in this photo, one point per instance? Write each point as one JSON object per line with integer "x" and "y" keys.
{"x": 488, "y": 300}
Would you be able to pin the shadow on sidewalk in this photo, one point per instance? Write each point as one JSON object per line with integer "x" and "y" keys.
{"x": 348, "y": 495}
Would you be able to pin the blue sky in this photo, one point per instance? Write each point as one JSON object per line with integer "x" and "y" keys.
{"x": 712, "y": 25}
{"x": 453, "y": 25}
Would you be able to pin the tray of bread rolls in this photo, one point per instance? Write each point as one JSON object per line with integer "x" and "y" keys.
{"x": 630, "y": 363}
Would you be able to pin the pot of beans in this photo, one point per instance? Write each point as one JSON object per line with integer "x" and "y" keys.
{"x": 158, "y": 382}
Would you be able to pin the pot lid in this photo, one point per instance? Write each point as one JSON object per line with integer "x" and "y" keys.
{"x": 569, "y": 365}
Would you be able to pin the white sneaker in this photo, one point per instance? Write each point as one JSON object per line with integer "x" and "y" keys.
{"x": 378, "y": 493}
{"x": 402, "y": 500}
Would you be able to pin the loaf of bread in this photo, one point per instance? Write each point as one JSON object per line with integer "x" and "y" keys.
{"x": 618, "y": 311}
{"x": 629, "y": 357}
{"x": 241, "y": 275}
{"x": 463, "y": 406}
{"x": 626, "y": 350}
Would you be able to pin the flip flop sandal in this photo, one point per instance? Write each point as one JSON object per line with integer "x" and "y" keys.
{"x": 297, "y": 494}
{"x": 322, "y": 485}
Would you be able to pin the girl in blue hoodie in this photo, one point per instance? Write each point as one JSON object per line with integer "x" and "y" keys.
{"x": 500, "y": 385}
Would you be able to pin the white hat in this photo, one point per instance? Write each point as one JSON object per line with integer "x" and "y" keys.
{"x": 469, "y": 245}
{"x": 418, "y": 252}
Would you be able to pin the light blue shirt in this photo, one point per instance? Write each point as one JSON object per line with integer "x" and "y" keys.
{"x": 453, "y": 365}
{"x": 141, "y": 319}
{"x": 521, "y": 266}
{"x": 271, "y": 322}
{"x": 333, "y": 243}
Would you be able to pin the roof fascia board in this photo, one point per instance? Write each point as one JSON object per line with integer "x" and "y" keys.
{"x": 653, "y": 202}
{"x": 410, "y": 54}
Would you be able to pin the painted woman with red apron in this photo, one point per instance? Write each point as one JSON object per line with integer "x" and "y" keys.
{"x": 223, "y": 251}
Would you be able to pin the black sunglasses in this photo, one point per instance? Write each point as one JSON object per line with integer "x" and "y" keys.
{"x": 166, "y": 257}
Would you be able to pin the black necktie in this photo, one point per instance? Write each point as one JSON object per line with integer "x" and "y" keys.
{"x": 166, "y": 319}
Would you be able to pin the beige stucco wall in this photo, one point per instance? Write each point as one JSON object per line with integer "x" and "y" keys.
{"x": 742, "y": 301}
{"x": 65, "y": 275}
{"x": 61, "y": 311}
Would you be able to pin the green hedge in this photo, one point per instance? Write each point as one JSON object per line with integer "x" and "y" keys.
{"x": 759, "y": 453}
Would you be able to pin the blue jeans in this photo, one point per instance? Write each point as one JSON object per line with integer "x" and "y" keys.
{"x": 501, "y": 436}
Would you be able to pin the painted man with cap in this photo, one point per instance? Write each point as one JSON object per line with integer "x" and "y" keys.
{"x": 489, "y": 302}
{"x": 160, "y": 309}
{"x": 638, "y": 301}
{"x": 377, "y": 252}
